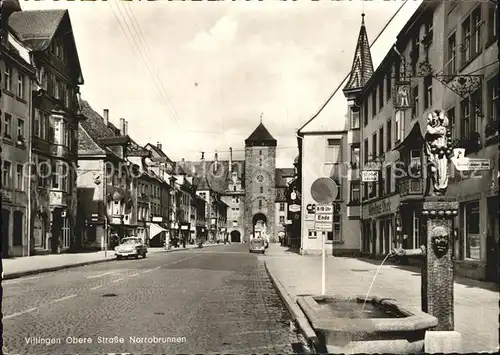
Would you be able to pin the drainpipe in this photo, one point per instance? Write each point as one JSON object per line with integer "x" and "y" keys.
{"x": 30, "y": 145}
{"x": 297, "y": 134}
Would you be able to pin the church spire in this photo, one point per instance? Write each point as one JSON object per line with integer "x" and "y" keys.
{"x": 362, "y": 66}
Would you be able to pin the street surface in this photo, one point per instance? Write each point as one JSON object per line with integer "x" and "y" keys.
{"x": 213, "y": 300}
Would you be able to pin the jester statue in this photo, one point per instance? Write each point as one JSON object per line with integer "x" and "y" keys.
{"x": 438, "y": 150}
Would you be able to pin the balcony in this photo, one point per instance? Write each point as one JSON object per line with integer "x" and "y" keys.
{"x": 58, "y": 198}
{"x": 55, "y": 150}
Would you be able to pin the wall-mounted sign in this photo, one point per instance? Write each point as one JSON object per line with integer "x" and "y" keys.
{"x": 402, "y": 91}
{"x": 323, "y": 218}
{"x": 324, "y": 227}
{"x": 184, "y": 228}
{"x": 294, "y": 208}
{"x": 369, "y": 176}
{"x": 469, "y": 164}
{"x": 328, "y": 209}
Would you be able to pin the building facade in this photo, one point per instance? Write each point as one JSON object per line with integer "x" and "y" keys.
{"x": 329, "y": 148}
{"x": 56, "y": 115}
{"x": 283, "y": 178}
{"x": 414, "y": 79}
{"x": 17, "y": 76}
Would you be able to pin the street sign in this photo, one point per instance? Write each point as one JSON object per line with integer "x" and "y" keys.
{"x": 323, "y": 227}
{"x": 294, "y": 208}
{"x": 324, "y": 190}
{"x": 327, "y": 218}
{"x": 470, "y": 164}
{"x": 328, "y": 209}
{"x": 369, "y": 176}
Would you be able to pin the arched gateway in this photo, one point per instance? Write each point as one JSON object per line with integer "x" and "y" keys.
{"x": 235, "y": 236}
{"x": 259, "y": 225}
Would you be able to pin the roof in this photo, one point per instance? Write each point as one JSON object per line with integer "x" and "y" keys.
{"x": 37, "y": 28}
{"x": 261, "y": 137}
{"x": 362, "y": 66}
{"x": 213, "y": 175}
{"x": 94, "y": 130}
{"x": 282, "y": 174}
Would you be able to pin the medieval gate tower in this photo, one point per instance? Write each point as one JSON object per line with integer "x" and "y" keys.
{"x": 260, "y": 184}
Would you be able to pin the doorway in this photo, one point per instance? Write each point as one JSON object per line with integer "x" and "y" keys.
{"x": 235, "y": 237}
{"x": 5, "y": 233}
{"x": 492, "y": 240}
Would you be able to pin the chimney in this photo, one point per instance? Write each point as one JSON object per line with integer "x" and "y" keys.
{"x": 122, "y": 126}
{"x": 126, "y": 127}
{"x": 158, "y": 145}
{"x": 202, "y": 156}
{"x": 230, "y": 159}
{"x": 105, "y": 116}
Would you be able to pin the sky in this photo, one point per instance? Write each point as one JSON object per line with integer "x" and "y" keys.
{"x": 198, "y": 76}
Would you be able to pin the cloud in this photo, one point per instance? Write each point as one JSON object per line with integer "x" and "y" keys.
{"x": 223, "y": 32}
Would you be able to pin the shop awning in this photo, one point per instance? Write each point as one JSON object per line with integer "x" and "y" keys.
{"x": 155, "y": 229}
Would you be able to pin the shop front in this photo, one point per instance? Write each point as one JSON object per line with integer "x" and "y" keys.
{"x": 379, "y": 226}
{"x": 184, "y": 232}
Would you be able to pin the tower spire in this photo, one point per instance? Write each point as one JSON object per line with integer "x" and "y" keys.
{"x": 362, "y": 66}
{"x": 261, "y": 117}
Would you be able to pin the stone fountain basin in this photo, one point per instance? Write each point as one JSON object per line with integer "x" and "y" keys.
{"x": 383, "y": 327}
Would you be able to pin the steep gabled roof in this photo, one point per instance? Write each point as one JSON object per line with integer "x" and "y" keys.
{"x": 36, "y": 29}
{"x": 261, "y": 137}
{"x": 362, "y": 66}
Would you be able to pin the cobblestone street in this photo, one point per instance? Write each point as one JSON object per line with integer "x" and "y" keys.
{"x": 216, "y": 301}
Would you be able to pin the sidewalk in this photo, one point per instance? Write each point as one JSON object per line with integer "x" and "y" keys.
{"x": 25, "y": 266}
{"x": 476, "y": 303}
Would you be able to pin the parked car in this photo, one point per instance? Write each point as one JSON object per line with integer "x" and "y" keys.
{"x": 131, "y": 246}
{"x": 257, "y": 245}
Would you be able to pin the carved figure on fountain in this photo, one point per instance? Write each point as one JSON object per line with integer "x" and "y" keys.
{"x": 438, "y": 150}
{"x": 440, "y": 240}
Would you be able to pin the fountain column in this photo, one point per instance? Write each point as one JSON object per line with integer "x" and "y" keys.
{"x": 437, "y": 273}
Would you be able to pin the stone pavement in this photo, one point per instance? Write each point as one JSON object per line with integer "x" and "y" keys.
{"x": 24, "y": 266}
{"x": 476, "y": 303}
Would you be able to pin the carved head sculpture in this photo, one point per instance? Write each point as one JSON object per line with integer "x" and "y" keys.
{"x": 440, "y": 240}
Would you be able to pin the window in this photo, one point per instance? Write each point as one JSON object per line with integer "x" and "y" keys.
{"x": 374, "y": 102}
{"x": 388, "y": 179}
{"x": 337, "y": 235}
{"x": 492, "y": 23}
{"x": 451, "y": 63}
{"x": 415, "y": 163}
{"x": 452, "y": 122}
{"x": 355, "y": 191}
{"x": 235, "y": 224}
{"x": 365, "y": 112}
{"x": 7, "y": 128}
{"x": 476, "y": 100}
{"x": 333, "y": 151}
{"x": 400, "y": 125}
{"x": 20, "y": 86}
{"x": 466, "y": 119}
{"x": 354, "y": 117}
{"x": 42, "y": 172}
{"x": 476, "y": 26}
{"x": 365, "y": 151}
{"x": 381, "y": 95}
{"x": 55, "y": 175}
{"x": 64, "y": 177}
{"x": 7, "y": 79}
{"x": 282, "y": 207}
{"x": 312, "y": 234}
{"x": 389, "y": 84}
{"x": 472, "y": 231}
{"x": 374, "y": 147}
{"x": 37, "y": 124}
{"x": 20, "y": 129}
{"x": 466, "y": 34}
{"x": 19, "y": 177}
{"x": 389, "y": 135}
{"x": 282, "y": 219}
{"x": 493, "y": 107}
{"x": 260, "y": 204}
{"x": 428, "y": 91}
{"x": 7, "y": 174}
{"x": 355, "y": 156}
{"x": 261, "y": 190}
{"x": 65, "y": 233}
{"x": 414, "y": 108}
{"x": 381, "y": 141}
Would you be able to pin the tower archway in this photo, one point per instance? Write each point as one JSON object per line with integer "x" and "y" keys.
{"x": 259, "y": 225}
{"x": 235, "y": 236}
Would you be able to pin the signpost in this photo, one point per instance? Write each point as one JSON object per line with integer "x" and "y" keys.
{"x": 324, "y": 191}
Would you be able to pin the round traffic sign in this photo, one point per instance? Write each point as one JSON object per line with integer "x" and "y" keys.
{"x": 324, "y": 190}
